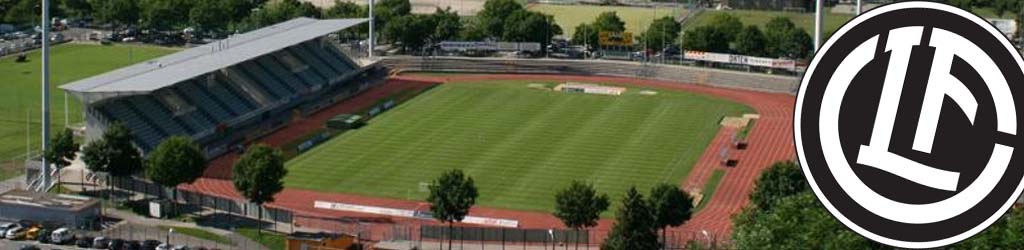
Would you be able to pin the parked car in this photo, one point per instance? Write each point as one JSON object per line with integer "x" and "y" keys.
{"x": 6, "y": 226}
{"x": 32, "y": 233}
{"x": 62, "y": 236}
{"x": 100, "y": 242}
{"x": 116, "y": 244}
{"x": 15, "y": 233}
{"x": 84, "y": 242}
{"x": 164, "y": 246}
{"x": 132, "y": 245}
{"x": 150, "y": 244}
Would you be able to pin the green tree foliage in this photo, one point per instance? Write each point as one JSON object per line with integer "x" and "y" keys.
{"x": 585, "y": 34}
{"x": 342, "y": 9}
{"x": 634, "y": 228}
{"x": 1004, "y": 234}
{"x": 609, "y": 21}
{"x": 177, "y": 160}
{"x": 279, "y": 11}
{"x": 259, "y": 175}
{"x": 411, "y": 31}
{"x": 117, "y": 12}
{"x": 784, "y": 39}
{"x": 726, "y": 23}
{"x": 671, "y": 207}
{"x": 706, "y": 38}
{"x": 75, "y": 8}
{"x": 163, "y": 14}
{"x": 62, "y": 150}
{"x": 782, "y": 179}
{"x": 447, "y": 25}
{"x": 579, "y": 205}
{"x": 24, "y": 11}
{"x": 751, "y": 42}
{"x": 472, "y": 31}
{"x": 113, "y": 153}
{"x": 530, "y": 26}
{"x": 451, "y": 197}
{"x": 209, "y": 15}
{"x": 662, "y": 32}
{"x": 493, "y": 17}
{"x": 797, "y": 221}
{"x": 385, "y": 11}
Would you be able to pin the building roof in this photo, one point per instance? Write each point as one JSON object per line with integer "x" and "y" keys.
{"x": 46, "y": 200}
{"x": 165, "y": 71}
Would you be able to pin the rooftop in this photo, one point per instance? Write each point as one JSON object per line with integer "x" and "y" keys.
{"x": 165, "y": 71}
{"x": 46, "y": 200}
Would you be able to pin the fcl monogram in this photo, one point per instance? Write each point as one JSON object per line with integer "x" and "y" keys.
{"x": 887, "y": 106}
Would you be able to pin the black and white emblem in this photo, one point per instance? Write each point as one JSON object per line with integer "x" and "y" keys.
{"x": 906, "y": 124}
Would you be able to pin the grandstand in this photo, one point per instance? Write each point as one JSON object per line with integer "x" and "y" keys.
{"x": 228, "y": 92}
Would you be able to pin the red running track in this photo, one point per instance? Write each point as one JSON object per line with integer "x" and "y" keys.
{"x": 769, "y": 141}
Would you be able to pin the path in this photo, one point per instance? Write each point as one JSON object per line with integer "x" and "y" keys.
{"x": 770, "y": 141}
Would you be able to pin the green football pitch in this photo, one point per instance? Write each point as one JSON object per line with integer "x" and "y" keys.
{"x": 20, "y": 92}
{"x": 519, "y": 144}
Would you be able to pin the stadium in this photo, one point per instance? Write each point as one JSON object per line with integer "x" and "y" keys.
{"x": 520, "y": 127}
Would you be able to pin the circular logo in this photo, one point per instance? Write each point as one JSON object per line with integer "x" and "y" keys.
{"x": 906, "y": 124}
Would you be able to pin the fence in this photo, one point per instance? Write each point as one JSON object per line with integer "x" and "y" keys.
{"x": 210, "y": 240}
{"x": 469, "y": 238}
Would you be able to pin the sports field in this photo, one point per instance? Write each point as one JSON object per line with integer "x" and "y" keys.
{"x": 637, "y": 19}
{"x": 20, "y": 90}
{"x": 520, "y": 144}
{"x": 761, "y": 17}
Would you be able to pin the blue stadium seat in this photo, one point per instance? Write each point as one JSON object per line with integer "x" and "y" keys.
{"x": 158, "y": 115}
{"x": 145, "y": 132}
{"x": 332, "y": 61}
{"x": 341, "y": 56}
{"x": 276, "y": 70}
{"x": 231, "y": 97}
{"x": 308, "y": 78}
{"x": 202, "y": 107}
{"x": 205, "y": 100}
{"x": 267, "y": 82}
{"x": 317, "y": 65}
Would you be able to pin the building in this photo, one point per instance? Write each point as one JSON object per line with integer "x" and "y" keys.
{"x": 46, "y": 208}
{"x": 228, "y": 92}
{"x": 319, "y": 241}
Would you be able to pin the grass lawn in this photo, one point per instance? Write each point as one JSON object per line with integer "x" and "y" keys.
{"x": 271, "y": 240}
{"x": 20, "y": 90}
{"x": 519, "y": 144}
{"x": 637, "y": 18}
{"x": 711, "y": 186}
{"x": 200, "y": 234}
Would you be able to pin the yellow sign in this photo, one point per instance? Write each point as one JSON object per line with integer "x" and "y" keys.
{"x": 608, "y": 38}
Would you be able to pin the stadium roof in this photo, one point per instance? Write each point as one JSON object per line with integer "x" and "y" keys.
{"x": 167, "y": 70}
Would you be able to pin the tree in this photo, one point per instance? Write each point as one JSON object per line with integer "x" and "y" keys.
{"x": 609, "y": 21}
{"x": 62, "y": 151}
{"x": 410, "y": 31}
{"x": 24, "y": 12}
{"x": 385, "y": 11}
{"x": 451, "y": 197}
{"x": 796, "y": 222}
{"x": 493, "y": 17}
{"x": 671, "y": 207}
{"x": 259, "y": 175}
{"x": 1003, "y": 234}
{"x": 585, "y": 34}
{"x": 117, "y": 12}
{"x": 782, "y": 179}
{"x": 177, "y": 160}
{"x": 662, "y": 32}
{"x": 447, "y": 25}
{"x": 113, "y": 153}
{"x": 472, "y": 31}
{"x": 579, "y": 206}
{"x": 727, "y": 24}
{"x": 279, "y": 11}
{"x": 634, "y": 227}
{"x": 163, "y": 14}
{"x": 75, "y": 8}
{"x": 344, "y": 9}
{"x": 784, "y": 39}
{"x": 209, "y": 15}
{"x": 750, "y": 41}
{"x": 530, "y": 26}
{"x": 706, "y": 38}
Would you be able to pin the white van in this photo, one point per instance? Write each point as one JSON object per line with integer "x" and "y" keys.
{"x": 4, "y": 227}
{"x": 61, "y": 236}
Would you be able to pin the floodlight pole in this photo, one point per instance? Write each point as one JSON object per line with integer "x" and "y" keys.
{"x": 818, "y": 23}
{"x": 859, "y": 8}
{"x": 370, "y": 38}
{"x": 45, "y": 168}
